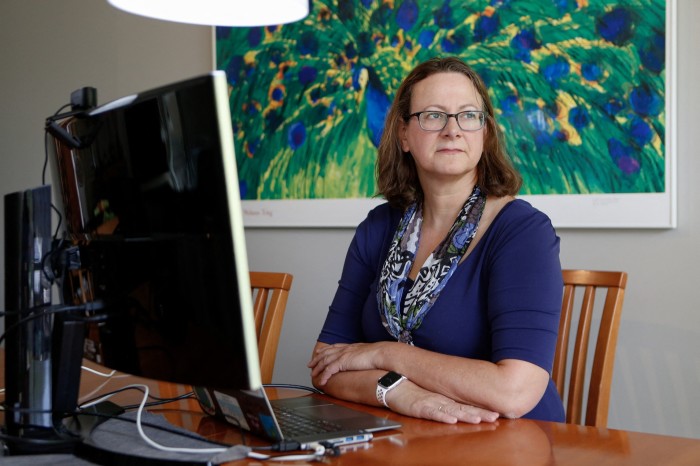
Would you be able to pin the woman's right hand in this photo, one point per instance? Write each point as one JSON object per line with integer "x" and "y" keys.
{"x": 412, "y": 400}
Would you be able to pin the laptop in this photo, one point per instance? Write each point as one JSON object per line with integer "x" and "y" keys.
{"x": 303, "y": 419}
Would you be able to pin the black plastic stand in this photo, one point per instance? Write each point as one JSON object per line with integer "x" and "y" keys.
{"x": 42, "y": 356}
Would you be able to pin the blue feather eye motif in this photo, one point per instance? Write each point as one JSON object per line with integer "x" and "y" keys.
{"x": 377, "y": 106}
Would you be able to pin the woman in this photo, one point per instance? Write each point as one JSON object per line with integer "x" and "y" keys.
{"x": 451, "y": 291}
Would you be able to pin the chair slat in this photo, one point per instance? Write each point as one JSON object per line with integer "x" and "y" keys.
{"x": 559, "y": 370}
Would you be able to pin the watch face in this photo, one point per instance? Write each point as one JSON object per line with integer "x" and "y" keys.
{"x": 389, "y": 379}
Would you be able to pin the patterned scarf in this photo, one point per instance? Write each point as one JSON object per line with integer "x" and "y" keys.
{"x": 433, "y": 275}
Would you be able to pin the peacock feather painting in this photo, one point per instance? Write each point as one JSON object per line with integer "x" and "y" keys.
{"x": 579, "y": 88}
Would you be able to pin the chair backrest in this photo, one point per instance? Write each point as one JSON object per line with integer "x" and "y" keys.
{"x": 601, "y": 370}
{"x": 270, "y": 293}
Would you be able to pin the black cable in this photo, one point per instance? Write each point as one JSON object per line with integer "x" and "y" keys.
{"x": 60, "y": 221}
{"x": 46, "y": 164}
{"x": 61, "y": 109}
{"x": 293, "y": 386}
{"x": 165, "y": 401}
{"x": 50, "y": 310}
{"x": 159, "y": 400}
{"x": 46, "y": 158}
{"x": 46, "y": 145}
{"x": 69, "y": 307}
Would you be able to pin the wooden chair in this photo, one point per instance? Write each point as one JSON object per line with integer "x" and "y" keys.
{"x": 604, "y": 357}
{"x": 270, "y": 293}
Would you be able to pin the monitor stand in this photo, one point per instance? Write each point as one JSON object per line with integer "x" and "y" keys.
{"x": 43, "y": 351}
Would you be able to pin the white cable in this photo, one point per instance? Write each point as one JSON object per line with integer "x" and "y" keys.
{"x": 85, "y": 368}
{"x": 101, "y": 374}
{"x": 163, "y": 447}
{"x": 308, "y": 457}
{"x": 319, "y": 451}
{"x": 99, "y": 388}
{"x": 106, "y": 397}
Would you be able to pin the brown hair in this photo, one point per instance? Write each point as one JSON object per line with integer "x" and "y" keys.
{"x": 397, "y": 177}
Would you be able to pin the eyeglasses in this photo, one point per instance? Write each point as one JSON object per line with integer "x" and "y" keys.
{"x": 470, "y": 120}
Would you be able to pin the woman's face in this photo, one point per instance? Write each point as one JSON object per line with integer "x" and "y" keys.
{"x": 451, "y": 154}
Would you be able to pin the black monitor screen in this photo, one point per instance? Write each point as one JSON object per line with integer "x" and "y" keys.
{"x": 151, "y": 200}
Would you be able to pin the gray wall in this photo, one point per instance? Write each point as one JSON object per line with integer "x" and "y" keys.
{"x": 49, "y": 48}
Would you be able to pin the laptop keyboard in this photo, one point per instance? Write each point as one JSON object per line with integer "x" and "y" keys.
{"x": 294, "y": 423}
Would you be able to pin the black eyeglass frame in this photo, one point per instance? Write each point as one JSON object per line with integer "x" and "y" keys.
{"x": 483, "y": 114}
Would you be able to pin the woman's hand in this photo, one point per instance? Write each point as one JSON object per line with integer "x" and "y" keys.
{"x": 328, "y": 360}
{"x": 412, "y": 400}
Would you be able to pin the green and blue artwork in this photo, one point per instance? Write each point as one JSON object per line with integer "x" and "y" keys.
{"x": 579, "y": 88}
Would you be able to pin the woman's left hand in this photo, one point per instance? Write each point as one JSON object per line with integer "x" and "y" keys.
{"x": 331, "y": 359}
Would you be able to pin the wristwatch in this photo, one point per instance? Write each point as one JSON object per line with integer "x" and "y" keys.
{"x": 387, "y": 382}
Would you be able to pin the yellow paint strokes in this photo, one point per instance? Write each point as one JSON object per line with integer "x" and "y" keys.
{"x": 565, "y": 102}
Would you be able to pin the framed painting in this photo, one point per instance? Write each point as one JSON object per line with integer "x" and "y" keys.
{"x": 584, "y": 92}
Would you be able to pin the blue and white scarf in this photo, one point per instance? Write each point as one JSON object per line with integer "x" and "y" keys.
{"x": 400, "y": 321}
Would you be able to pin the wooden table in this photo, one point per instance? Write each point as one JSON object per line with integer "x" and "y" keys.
{"x": 421, "y": 443}
{"x": 507, "y": 442}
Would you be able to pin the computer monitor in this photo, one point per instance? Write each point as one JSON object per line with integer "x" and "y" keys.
{"x": 150, "y": 200}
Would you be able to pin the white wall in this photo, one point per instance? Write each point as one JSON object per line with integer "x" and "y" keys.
{"x": 49, "y": 48}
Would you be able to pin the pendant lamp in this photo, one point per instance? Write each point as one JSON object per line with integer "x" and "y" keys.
{"x": 242, "y": 13}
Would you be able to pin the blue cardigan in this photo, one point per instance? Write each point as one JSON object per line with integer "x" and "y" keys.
{"x": 502, "y": 302}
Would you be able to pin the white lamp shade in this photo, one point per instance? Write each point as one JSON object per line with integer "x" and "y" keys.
{"x": 219, "y": 12}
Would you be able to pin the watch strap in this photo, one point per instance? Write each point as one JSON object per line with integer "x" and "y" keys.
{"x": 382, "y": 391}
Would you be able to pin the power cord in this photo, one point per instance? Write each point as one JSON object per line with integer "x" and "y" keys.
{"x": 294, "y": 387}
{"x": 101, "y": 374}
{"x": 158, "y": 401}
{"x": 43, "y": 311}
